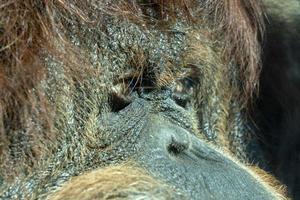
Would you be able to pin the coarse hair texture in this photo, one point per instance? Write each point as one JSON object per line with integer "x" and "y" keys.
{"x": 31, "y": 29}
{"x": 115, "y": 182}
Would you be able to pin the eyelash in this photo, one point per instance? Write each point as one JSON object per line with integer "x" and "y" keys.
{"x": 122, "y": 93}
{"x": 129, "y": 85}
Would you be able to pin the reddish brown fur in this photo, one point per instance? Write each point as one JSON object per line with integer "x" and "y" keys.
{"x": 23, "y": 35}
{"x": 243, "y": 26}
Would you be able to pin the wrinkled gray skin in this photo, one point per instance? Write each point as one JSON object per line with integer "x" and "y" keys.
{"x": 153, "y": 131}
{"x": 172, "y": 153}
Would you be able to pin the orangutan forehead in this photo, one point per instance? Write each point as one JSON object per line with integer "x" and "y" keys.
{"x": 238, "y": 23}
{"x": 149, "y": 9}
{"x": 121, "y": 45}
{"x": 145, "y": 44}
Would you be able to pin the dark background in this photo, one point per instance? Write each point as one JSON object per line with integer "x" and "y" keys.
{"x": 277, "y": 109}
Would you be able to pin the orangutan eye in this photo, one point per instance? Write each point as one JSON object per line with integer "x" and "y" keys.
{"x": 125, "y": 89}
{"x": 182, "y": 91}
{"x": 119, "y": 98}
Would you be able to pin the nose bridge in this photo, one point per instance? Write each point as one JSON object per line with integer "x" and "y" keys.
{"x": 177, "y": 139}
{"x": 155, "y": 94}
{"x": 161, "y": 103}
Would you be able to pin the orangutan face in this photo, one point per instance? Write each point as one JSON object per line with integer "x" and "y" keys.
{"x": 142, "y": 97}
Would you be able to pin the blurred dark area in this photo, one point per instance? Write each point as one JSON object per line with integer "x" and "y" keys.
{"x": 277, "y": 113}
